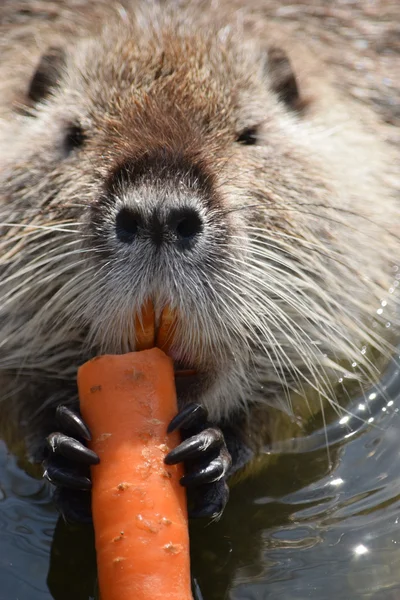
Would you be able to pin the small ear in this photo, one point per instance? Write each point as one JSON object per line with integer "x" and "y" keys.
{"x": 47, "y": 74}
{"x": 282, "y": 77}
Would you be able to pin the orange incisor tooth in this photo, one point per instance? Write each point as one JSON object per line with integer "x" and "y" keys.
{"x": 166, "y": 329}
{"x": 145, "y": 327}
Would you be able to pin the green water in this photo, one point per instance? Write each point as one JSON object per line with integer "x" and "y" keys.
{"x": 309, "y": 527}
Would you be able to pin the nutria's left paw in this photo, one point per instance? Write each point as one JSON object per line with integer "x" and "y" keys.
{"x": 66, "y": 462}
{"x": 207, "y": 461}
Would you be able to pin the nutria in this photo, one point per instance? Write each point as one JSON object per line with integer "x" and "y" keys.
{"x": 236, "y": 161}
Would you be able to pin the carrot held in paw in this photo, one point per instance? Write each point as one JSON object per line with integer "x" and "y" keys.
{"x": 139, "y": 507}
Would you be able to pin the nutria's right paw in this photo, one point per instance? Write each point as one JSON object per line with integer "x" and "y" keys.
{"x": 67, "y": 465}
{"x": 206, "y": 458}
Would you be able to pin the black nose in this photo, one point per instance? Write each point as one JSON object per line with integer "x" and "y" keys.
{"x": 185, "y": 223}
{"x": 182, "y": 226}
{"x": 127, "y": 225}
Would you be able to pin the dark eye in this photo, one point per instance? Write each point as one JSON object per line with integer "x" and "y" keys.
{"x": 248, "y": 137}
{"x": 74, "y": 138}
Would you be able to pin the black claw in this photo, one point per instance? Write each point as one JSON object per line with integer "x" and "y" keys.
{"x": 210, "y": 500}
{"x": 195, "y": 446}
{"x": 72, "y": 423}
{"x": 72, "y": 449}
{"x": 214, "y": 471}
{"x": 66, "y": 478}
{"x": 189, "y": 415}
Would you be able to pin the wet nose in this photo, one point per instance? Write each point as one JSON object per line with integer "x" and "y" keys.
{"x": 182, "y": 226}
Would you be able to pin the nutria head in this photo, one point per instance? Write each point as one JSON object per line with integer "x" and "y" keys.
{"x": 190, "y": 165}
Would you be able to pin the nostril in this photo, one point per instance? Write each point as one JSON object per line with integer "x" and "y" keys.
{"x": 127, "y": 224}
{"x": 187, "y": 224}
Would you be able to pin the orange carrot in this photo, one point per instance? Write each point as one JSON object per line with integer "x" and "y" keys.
{"x": 139, "y": 507}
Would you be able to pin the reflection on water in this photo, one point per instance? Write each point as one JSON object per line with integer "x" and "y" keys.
{"x": 300, "y": 530}
{"x": 26, "y": 532}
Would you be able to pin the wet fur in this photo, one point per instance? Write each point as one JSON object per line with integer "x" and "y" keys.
{"x": 301, "y": 230}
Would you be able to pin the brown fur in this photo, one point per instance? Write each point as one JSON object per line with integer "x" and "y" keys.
{"x": 164, "y": 93}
